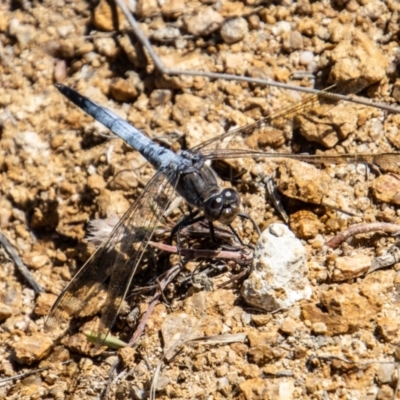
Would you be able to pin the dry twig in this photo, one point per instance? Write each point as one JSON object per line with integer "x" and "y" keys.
{"x": 20, "y": 265}
{"x": 336, "y": 241}
{"x": 163, "y": 282}
{"x": 238, "y": 256}
{"x": 24, "y": 374}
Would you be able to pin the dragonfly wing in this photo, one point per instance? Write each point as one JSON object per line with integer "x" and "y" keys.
{"x": 251, "y": 135}
{"x": 117, "y": 258}
{"x": 389, "y": 162}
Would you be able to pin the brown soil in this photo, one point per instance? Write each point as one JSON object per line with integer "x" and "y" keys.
{"x": 59, "y": 170}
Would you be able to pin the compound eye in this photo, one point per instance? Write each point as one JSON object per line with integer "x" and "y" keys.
{"x": 213, "y": 208}
{"x": 231, "y": 200}
{"x": 231, "y": 197}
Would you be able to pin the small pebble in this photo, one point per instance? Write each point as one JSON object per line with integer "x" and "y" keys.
{"x": 5, "y": 312}
{"x": 384, "y": 372}
{"x": 160, "y": 96}
{"x": 388, "y": 328}
{"x": 294, "y": 42}
{"x": 281, "y": 27}
{"x": 233, "y": 30}
{"x": 32, "y": 348}
{"x": 44, "y": 303}
{"x": 350, "y": 267}
{"x": 24, "y": 33}
{"x": 36, "y": 260}
{"x": 386, "y": 188}
{"x": 205, "y": 22}
{"x": 305, "y": 224}
{"x": 102, "y": 17}
{"x": 65, "y": 29}
{"x": 319, "y": 328}
{"x": 306, "y": 57}
{"x": 106, "y": 46}
{"x": 289, "y": 326}
{"x": 166, "y": 33}
{"x": 173, "y": 8}
{"x": 147, "y": 8}
{"x": 122, "y": 90}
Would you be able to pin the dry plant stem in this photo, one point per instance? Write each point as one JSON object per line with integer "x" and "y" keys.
{"x": 20, "y": 265}
{"x": 336, "y": 241}
{"x": 106, "y": 391}
{"x": 193, "y": 253}
{"x": 168, "y": 278}
{"x": 23, "y": 375}
{"x": 213, "y": 75}
{"x": 330, "y": 357}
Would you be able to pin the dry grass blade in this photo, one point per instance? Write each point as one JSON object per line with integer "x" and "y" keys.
{"x": 110, "y": 341}
{"x": 220, "y": 339}
{"x": 20, "y": 265}
{"x": 23, "y": 375}
{"x": 163, "y": 282}
{"x": 330, "y": 357}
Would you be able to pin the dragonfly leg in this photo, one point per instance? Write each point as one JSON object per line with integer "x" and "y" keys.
{"x": 239, "y": 239}
{"x": 186, "y": 221}
{"x": 233, "y": 248}
{"x": 212, "y": 232}
{"x": 247, "y": 216}
{"x": 275, "y": 198}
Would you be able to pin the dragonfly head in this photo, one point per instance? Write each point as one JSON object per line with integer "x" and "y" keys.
{"x": 223, "y": 207}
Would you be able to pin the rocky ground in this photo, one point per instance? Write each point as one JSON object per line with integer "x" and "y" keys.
{"x": 59, "y": 170}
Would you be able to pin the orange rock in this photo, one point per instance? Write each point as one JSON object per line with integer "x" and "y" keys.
{"x": 342, "y": 310}
{"x": 32, "y": 348}
{"x": 386, "y": 188}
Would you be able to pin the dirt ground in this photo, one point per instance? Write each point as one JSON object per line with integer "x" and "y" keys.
{"x": 59, "y": 170}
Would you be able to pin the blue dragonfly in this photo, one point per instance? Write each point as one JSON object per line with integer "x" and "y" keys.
{"x": 188, "y": 175}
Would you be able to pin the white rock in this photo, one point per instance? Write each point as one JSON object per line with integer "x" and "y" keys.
{"x": 24, "y": 33}
{"x": 233, "y": 30}
{"x": 106, "y": 46}
{"x": 384, "y": 372}
{"x": 64, "y": 29}
{"x": 279, "y": 276}
{"x": 166, "y": 33}
{"x": 281, "y": 27}
{"x": 306, "y": 57}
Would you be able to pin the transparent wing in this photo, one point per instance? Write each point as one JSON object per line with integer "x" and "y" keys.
{"x": 253, "y": 136}
{"x": 117, "y": 258}
{"x": 388, "y": 162}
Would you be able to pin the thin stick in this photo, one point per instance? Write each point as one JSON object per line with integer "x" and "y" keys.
{"x": 336, "y": 241}
{"x": 330, "y": 357}
{"x": 24, "y": 374}
{"x": 20, "y": 265}
{"x": 195, "y": 253}
{"x": 214, "y": 75}
{"x": 169, "y": 277}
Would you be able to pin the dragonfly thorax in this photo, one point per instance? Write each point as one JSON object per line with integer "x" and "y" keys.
{"x": 223, "y": 207}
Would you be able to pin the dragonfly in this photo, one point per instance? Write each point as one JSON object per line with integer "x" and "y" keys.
{"x": 189, "y": 175}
